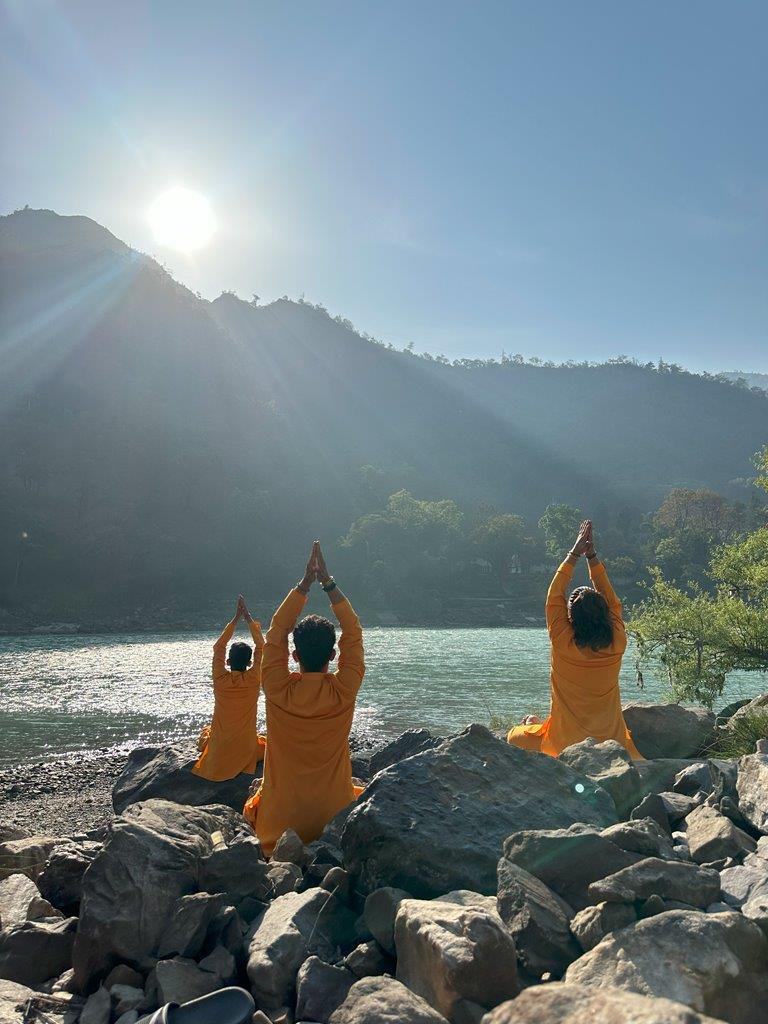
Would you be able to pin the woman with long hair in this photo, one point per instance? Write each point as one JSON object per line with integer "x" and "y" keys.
{"x": 588, "y": 641}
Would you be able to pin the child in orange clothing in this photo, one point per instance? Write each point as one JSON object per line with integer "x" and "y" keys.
{"x": 231, "y": 744}
{"x": 588, "y": 641}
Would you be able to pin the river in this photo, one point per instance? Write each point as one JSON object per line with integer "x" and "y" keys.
{"x": 61, "y": 694}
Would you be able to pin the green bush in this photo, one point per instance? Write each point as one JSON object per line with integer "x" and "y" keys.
{"x": 740, "y": 735}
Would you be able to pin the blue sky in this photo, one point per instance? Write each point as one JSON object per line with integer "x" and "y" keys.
{"x": 561, "y": 179}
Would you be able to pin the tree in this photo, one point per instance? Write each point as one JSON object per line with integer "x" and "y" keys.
{"x": 499, "y": 540}
{"x": 559, "y": 525}
{"x": 699, "y": 637}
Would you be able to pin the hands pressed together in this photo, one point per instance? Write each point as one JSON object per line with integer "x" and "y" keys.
{"x": 316, "y": 570}
{"x": 241, "y": 611}
{"x": 585, "y": 543}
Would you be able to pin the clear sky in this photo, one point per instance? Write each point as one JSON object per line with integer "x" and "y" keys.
{"x": 562, "y": 179}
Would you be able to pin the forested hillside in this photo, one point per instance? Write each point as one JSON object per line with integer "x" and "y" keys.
{"x": 160, "y": 452}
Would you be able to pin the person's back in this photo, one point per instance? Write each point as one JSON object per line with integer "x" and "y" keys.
{"x": 231, "y": 744}
{"x": 588, "y": 640}
{"x": 307, "y": 769}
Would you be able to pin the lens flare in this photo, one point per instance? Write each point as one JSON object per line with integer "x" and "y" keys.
{"x": 182, "y": 219}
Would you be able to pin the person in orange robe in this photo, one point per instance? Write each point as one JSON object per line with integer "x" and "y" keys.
{"x": 307, "y": 769}
{"x": 231, "y": 744}
{"x": 588, "y": 640}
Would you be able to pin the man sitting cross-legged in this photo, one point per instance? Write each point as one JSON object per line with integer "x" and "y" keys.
{"x": 307, "y": 769}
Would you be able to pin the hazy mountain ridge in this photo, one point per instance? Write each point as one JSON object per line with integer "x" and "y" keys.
{"x": 158, "y": 444}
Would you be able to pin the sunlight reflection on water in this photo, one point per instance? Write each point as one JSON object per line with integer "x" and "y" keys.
{"x": 64, "y": 693}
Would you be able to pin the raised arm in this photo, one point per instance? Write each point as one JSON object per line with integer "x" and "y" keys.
{"x": 351, "y": 668}
{"x": 254, "y": 627}
{"x": 219, "y": 667}
{"x": 558, "y": 623}
{"x": 601, "y": 583}
{"x": 275, "y": 675}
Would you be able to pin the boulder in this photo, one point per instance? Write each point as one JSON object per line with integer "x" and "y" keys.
{"x": 321, "y": 989}
{"x": 711, "y": 836}
{"x": 122, "y": 974}
{"x": 592, "y": 924}
{"x": 20, "y": 901}
{"x": 756, "y": 910}
{"x": 380, "y": 911}
{"x": 758, "y": 705}
{"x": 538, "y": 920}
{"x": 409, "y": 743}
{"x": 369, "y": 959}
{"x": 669, "y": 730}
{"x": 25, "y": 856}
{"x": 294, "y": 927}
{"x": 130, "y": 891}
{"x": 437, "y": 820}
{"x": 743, "y": 883}
{"x": 179, "y": 980}
{"x": 658, "y": 776}
{"x": 563, "y": 1003}
{"x": 752, "y": 787}
{"x": 290, "y": 849}
{"x": 126, "y": 998}
{"x": 98, "y": 1008}
{"x": 610, "y": 766}
{"x": 185, "y": 932}
{"x": 384, "y": 1001}
{"x": 36, "y": 951}
{"x": 643, "y": 836}
{"x": 447, "y": 952}
{"x": 678, "y": 805}
{"x": 696, "y": 778}
{"x": 165, "y": 773}
{"x": 61, "y": 880}
{"x": 567, "y": 860}
{"x": 714, "y": 963}
{"x": 653, "y": 807}
{"x": 221, "y": 963}
{"x": 238, "y": 870}
{"x": 668, "y": 879}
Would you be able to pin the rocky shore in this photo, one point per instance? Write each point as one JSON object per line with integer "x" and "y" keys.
{"x": 471, "y": 882}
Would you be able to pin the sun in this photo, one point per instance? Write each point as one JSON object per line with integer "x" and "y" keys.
{"x": 182, "y": 219}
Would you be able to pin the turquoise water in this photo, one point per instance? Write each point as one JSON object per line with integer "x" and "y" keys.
{"x": 68, "y": 693}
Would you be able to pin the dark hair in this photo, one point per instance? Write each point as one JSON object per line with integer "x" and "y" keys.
{"x": 239, "y": 656}
{"x": 314, "y": 639}
{"x": 590, "y": 618}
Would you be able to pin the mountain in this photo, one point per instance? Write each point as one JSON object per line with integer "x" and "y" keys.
{"x": 161, "y": 451}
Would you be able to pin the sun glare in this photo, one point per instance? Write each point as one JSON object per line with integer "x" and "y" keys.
{"x": 182, "y": 219}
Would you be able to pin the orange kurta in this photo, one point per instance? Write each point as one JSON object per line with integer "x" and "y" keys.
{"x": 584, "y": 684}
{"x": 307, "y": 769}
{"x": 231, "y": 744}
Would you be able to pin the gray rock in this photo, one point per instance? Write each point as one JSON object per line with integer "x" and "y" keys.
{"x": 752, "y": 787}
{"x": 610, "y": 766}
{"x": 290, "y": 849}
{"x": 221, "y": 963}
{"x": 409, "y": 743}
{"x": 567, "y": 860}
{"x": 321, "y": 989}
{"x": 678, "y": 805}
{"x": 165, "y": 773}
{"x": 294, "y": 927}
{"x": 712, "y": 836}
{"x": 126, "y": 998}
{"x": 227, "y": 929}
{"x": 179, "y": 980}
{"x": 669, "y": 730}
{"x": 447, "y": 952}
{"x": 384, "y": 1001}
{"x": 129, "y": 1017}
{"x": 743, "y": 883}
{"x": 20, "y": 901}
{"x": 714, "y": 963}
{"x": 130, "y": 891}
{"x": 668, "y": 879}
{"x": 98, "y": 1008}
{"x": 592, "y": 924}
{"x": 696, "y": 778}
{"x": 122, "y": 974}
{"x": 368, "y": 960}
{"x": 756, "y": 910}
{"x": 643, "y": 837}
{"x": 186, "y": 930}
{"x": 25, "y": 856}
{"x": 423, "y": 824}
{"x": 238, "y": 870}
{"x": 61, "y": 880}
{"x": 561, "y": 1003}
{"x": 758, "y": 705}
{"x": 653, "y": 807}
{"x": 538, "y": 920}
{"x": 36, "y": 951}
{"x": 381, "y": 908}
